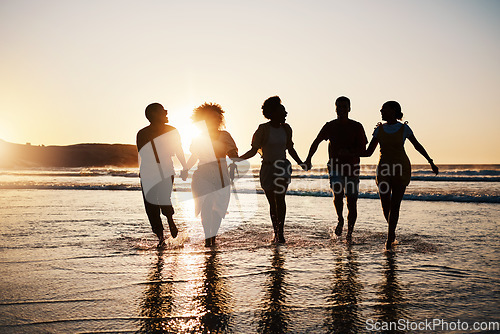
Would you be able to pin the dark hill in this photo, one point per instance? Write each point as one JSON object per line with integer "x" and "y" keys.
{"x": 80, "y": 155}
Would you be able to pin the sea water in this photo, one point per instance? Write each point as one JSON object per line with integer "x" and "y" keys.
{"x": 78, "y": 256}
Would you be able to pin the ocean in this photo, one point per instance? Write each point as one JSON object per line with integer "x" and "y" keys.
{"x": 78, "y": 256}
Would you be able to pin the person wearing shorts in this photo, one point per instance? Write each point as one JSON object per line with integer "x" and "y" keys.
{"x": 347, "y": 141}
{"x": 273, "y": 139}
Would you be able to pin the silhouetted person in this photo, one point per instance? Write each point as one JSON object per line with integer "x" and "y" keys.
{"x": 211, "y": 183}
{"x": 394, "y": 168}
{"x": 273, "y": 139}
{"x": 156, "y": 158}
{"x": 347, "y": 141}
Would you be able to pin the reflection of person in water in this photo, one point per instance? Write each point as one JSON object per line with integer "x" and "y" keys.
{"x": 156, "y": 160}
{"x": 394, "y": 168}
{"x": 157, "y": 307}
{"x": 391, "y": 303}
{"x": 273, "y": 139}
{"x": 346, "y": 292}
{"x": 274, "y": 313}
{"x": 213, "y": 299}
{"x": 210, "y": 183}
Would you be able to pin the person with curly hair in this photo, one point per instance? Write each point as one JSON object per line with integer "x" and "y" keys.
{"x": 210, "y": 182}
{"x": 394, "y": 168}
{"x": 272, "y": 140}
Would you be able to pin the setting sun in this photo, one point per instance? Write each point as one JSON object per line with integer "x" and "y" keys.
{"x": 181, "y": 120}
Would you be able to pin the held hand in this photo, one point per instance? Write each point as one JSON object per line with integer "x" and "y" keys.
{"x": 308, "y": 165}
{"x": 435, "y": 168}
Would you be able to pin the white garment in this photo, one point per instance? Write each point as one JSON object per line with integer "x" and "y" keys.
{"x": 210, "y": 183}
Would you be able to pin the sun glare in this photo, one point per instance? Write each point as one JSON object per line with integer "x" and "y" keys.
{"x": 181, "y": 120}
{"x": 188, "y": 132}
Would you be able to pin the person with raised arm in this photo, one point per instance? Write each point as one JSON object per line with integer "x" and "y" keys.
{"x": 272, "y": 140}
{"x": 394, "y": 168}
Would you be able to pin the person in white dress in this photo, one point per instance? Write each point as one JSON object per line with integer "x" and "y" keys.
{"x": 210, "y": 182}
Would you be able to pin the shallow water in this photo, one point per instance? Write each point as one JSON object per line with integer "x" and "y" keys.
{"x": 84, "y": 261}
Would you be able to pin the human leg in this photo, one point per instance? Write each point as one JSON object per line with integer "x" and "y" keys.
{"x": 280, "y": 192}
{"x": 153, "y": 213}
{"x": 168, "y": 211}
{"x": 384, "y": 191}
{"x": 352, "y": 215}
{"x": 352, "y": 191}
{"x": 396, "y": 198}
{"x": 207, "y": 218}
{"x": 337, "y": 183}
{"x": 271, "y": 199}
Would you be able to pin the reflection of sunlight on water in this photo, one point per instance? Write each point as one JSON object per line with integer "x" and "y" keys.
{"x": 189, "y": 224}
{"x": 192, "y": 273}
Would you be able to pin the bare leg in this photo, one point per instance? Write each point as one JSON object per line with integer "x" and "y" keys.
{"x": 271, "y": 199}
{"x": 352, "y": 207}
{"x": 172, "y": 227}
{"x": 338, "y": 203}
{"x": 279, "y": 195}
{"x": 281, "y": 209}
{"x": 396, "y": 198}
{"x": 384, "y": 191}
{"x": 207, "y": 218}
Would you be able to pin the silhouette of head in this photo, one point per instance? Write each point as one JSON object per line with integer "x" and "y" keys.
{"x": 389, "y": 108}
{"x": 343, "y": 106}
{"x": 272, "y": 109}
{"x": 155, "y": 113}
{"x": 211, "y": 113}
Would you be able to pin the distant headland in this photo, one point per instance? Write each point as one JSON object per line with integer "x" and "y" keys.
{"x": 79, "y": 155}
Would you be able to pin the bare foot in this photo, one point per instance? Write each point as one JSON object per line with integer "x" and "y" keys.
{"x": 161, "y": 242}
{"x": 338, "y": 229}
{"x": 173, "y": 230}
{"x": 348, "y": 237}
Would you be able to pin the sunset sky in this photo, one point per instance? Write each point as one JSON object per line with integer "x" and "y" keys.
{"x": 83, "y": 71}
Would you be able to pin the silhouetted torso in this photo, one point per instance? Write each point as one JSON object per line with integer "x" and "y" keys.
{"x": 344, "y": 135}
{"x": 150, "y": 132}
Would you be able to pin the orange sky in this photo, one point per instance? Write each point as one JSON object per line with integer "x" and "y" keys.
{"x": 83, "y": 71}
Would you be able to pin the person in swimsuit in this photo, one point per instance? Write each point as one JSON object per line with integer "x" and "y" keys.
{"x": 394, "y": 168}
{"x": 272, "y": 140}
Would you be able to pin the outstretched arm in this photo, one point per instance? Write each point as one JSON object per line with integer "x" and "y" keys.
{"x": 371, "y": 148}
{"x": 179, "y": 153}
{"x": 295, "y": 156}
{"x": 190, "y": 163}
{"x": 312, "y": 150}
{"x": 422, "y": 151}
{"x": 249, "y": 154}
